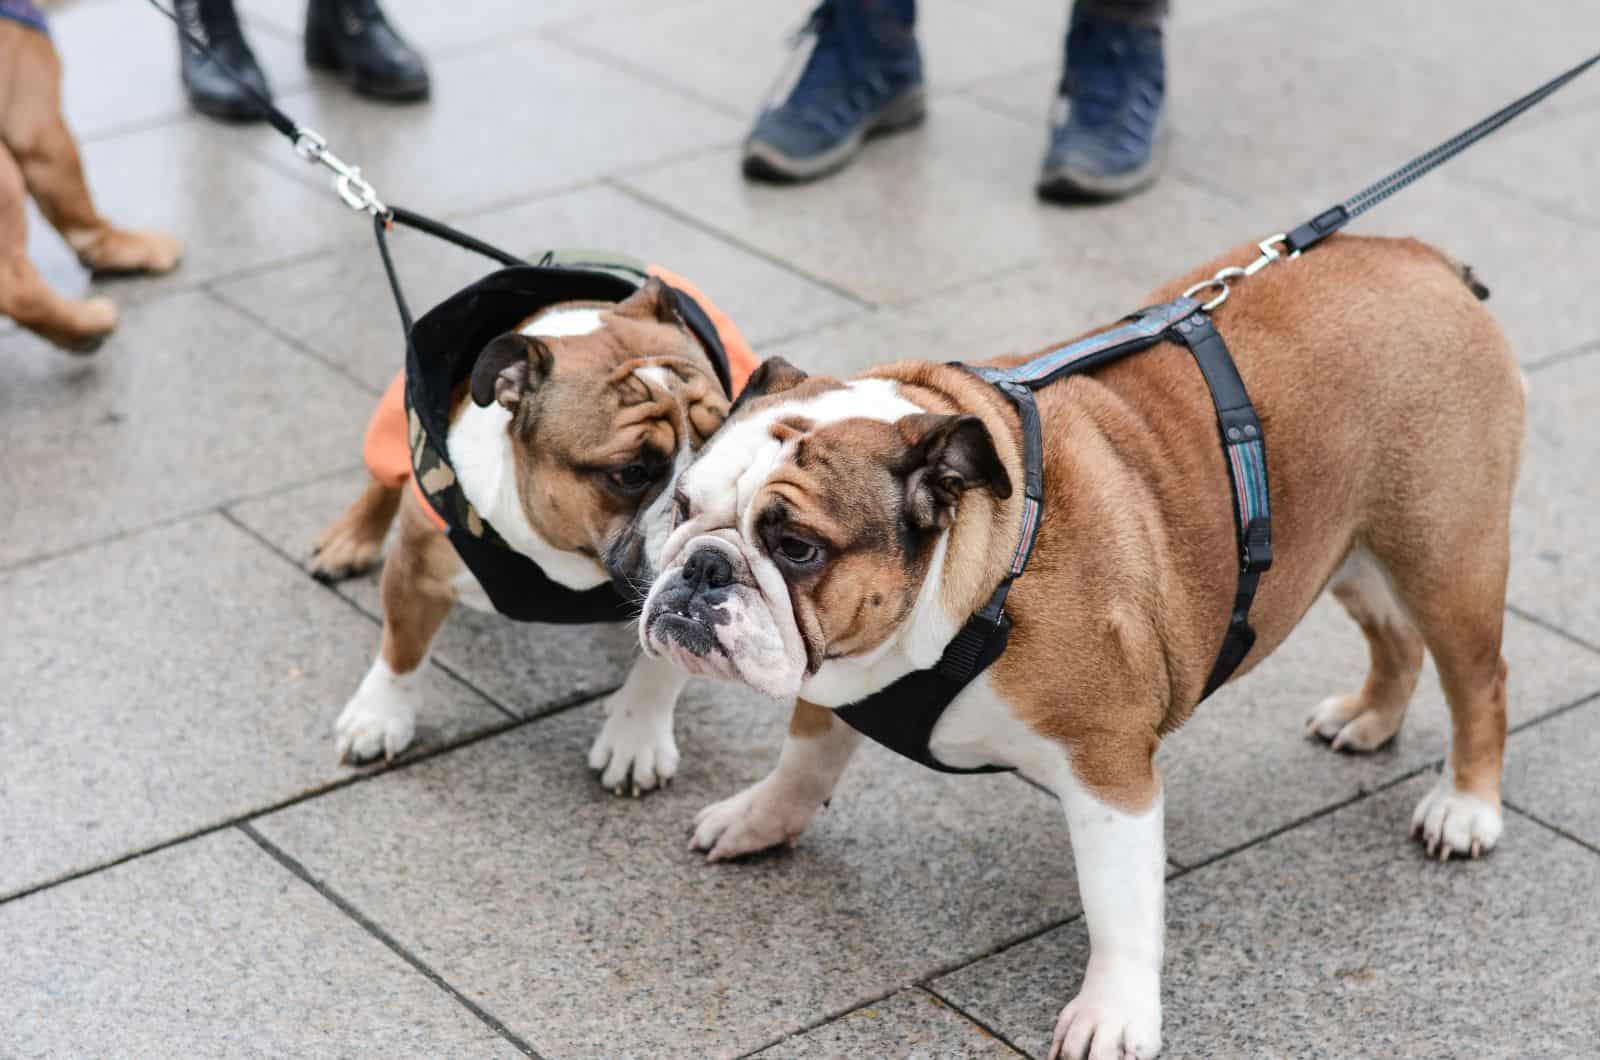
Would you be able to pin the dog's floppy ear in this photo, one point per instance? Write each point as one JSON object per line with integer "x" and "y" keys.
{"x": 654, "y": 300}
{"x": 509, "y": 369}
{"x": 772, "y": 376}
{"x": 945, "y": 457}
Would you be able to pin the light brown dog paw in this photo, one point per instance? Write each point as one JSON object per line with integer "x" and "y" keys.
{"x": 120, "y": 250}
{"x": 1346, "y": 723}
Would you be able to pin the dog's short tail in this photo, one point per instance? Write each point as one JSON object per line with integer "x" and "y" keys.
{"x": 1470, "y": 278}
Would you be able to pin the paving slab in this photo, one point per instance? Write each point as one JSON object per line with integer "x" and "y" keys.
{"x": 941, "y": 206}
{"x": 503, "y": 124}
{"x": 584, "y": 923}
{"x": 527, "y": 668}
{"x": 339, "y": 304}
{"x": 1021, "y": 310}
{"x": 189, "y": 404}
{"x": 1550, "y": 772}
{"x": 910, "y": 1025}
{"x": 1242, "y": 766}
{"x": 1292, "y": 107}
{"x": 168, "y": 681}
{"x": 1341, "y": 938}
{"x": 120, "y": 65}
{"x": 213, "y": 949}
{"x": 960, "y": 42}
{"x": 1554, "y": 563}
{"x": 195, "y": 179}
{"x": 442, "y": 30}
{"x": 1553, "y": 164}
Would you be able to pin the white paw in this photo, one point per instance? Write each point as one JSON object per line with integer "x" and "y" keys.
{"x": 1453, "y": 822}
{"x": 1116, "y": 1016}
{"x": 380, "y": 718}
{"x": 1341, "y": 721}
{"x": 635, "y": 750}
{"x": 756, "y": 818}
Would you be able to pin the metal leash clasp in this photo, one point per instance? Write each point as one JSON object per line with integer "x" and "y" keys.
{"x": 1269, "y": 254}
{"x": 357, "y": 192}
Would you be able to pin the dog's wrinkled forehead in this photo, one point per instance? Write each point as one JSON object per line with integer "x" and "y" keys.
{"x": 753, "y": 444}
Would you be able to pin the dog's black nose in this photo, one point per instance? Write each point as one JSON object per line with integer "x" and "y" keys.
{"x": 707, "y": 568}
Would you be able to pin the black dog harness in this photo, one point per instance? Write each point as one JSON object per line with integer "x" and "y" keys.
{"x": 441, "y": 349}
{"x": 902, "y": 716}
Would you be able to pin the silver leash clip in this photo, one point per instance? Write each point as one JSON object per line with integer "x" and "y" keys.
{"x": 1269, "y": 254}
{"x": 357, "y": 193}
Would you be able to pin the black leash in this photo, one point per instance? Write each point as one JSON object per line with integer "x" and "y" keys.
{"x": 357, "y": 192}
{"x": 1334, "y": 218}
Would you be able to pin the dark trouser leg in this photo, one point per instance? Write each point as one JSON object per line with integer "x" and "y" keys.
{"x": 1139, "y": 12}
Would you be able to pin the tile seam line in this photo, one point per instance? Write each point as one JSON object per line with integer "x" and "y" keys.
{"x": 1566, "y": 356}
{"x": 1557, "y": 829}
{"x": 215, "y": 508}
{"x": 1550, "y": 627}
{"x": 376, "y": 931}
{"x": 556, "y": 37}
{"x": 1322, "y": 811}
{"x": 338, "y": 784}
{"x": 927, "y": 988}
{"x": 299, "y": 346}
{"x": 647, "y": 199}
{"x": 831, "y": 1016}
{"x": 444, "y": 667}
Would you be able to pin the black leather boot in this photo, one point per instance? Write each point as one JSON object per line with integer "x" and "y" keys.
{"x": 210, "y": 90}
{"x": 354, "y": 38}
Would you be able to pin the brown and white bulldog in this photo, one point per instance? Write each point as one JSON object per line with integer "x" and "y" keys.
{"x": 834, "y": 536}
{"x": 564, "y": 439}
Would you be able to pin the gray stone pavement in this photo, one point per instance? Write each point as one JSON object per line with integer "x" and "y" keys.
{"x": 186, "y": 870}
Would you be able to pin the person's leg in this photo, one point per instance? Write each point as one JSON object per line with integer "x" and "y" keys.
{"x": 1108, "y": 136}
{"x": 861, "y": 76}
{"x": 210, "y": 89}
{"x": 356, "y": 39}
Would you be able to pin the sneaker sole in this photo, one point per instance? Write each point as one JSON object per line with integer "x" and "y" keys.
{"x": 762, "y": 161}
{"x": 1066, "y": 186}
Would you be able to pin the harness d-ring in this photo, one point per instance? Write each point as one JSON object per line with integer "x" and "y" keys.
{"x": 1220, "y": 282}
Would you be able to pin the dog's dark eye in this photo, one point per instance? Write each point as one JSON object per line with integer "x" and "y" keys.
{"x": 631, "y": 479}
{"x": 798, "y": 552}
{"x": 680, "y": 509}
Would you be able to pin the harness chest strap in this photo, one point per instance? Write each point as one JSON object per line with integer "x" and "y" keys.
{"x": 903, "y": 715}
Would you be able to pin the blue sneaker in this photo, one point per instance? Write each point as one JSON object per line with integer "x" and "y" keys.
{"x": 1109, "y": 137}
{"x": 863, "y": 77}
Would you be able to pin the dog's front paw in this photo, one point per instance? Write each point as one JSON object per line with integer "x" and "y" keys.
{"x": 755, "y": 819}
{"x": 1116, "y": 1016}
{"x": 1454, "y": 822}
{"x": 380, "y": 718}
{"x": 635, "y": 751}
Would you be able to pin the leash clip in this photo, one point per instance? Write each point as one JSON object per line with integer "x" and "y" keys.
{"x": 356, "y": 192}
{"x": 1269, "y": 254}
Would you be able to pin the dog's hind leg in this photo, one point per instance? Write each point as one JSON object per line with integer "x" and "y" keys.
{"x": 37, "y": 135}
{"x": 352, "y": 543}
{"x": 1461, "y": 613}
{"x": 1371, "y": 717}
{"x": 25, "y": 296}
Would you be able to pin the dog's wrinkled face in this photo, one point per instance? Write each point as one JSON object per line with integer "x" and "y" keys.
{"x": 597, "y": 409}
{"x": 807, "y": 526}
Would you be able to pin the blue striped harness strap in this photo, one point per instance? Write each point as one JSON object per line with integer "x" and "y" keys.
{"x": 902, "y": 716}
